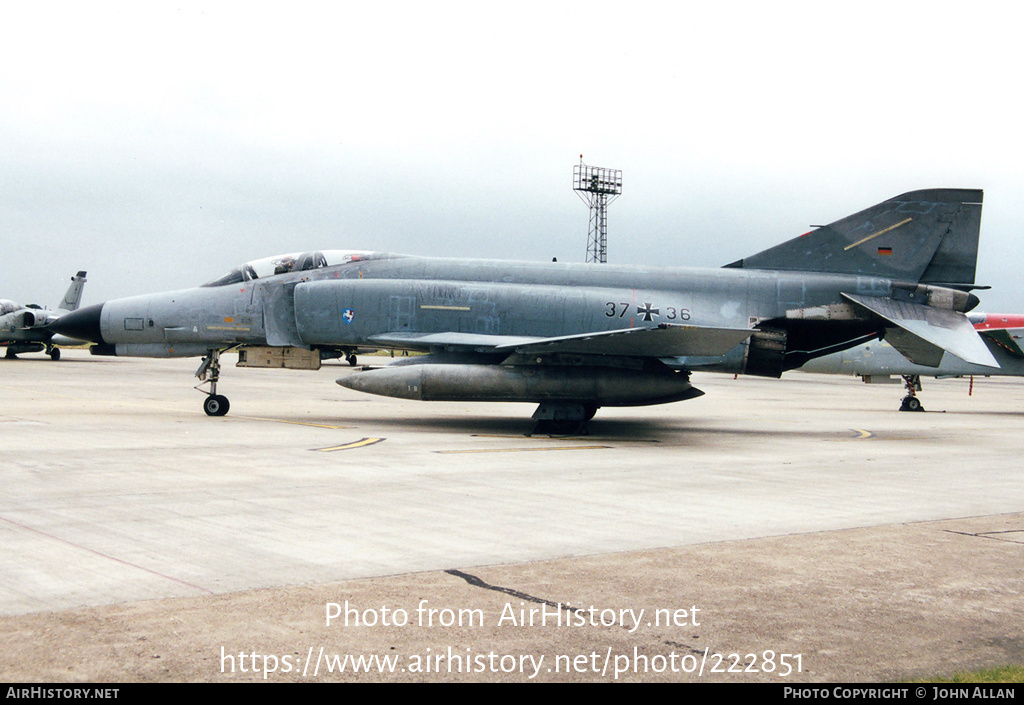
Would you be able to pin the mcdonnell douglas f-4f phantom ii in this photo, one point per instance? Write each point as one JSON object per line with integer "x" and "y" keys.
{"x": 24, "y": 328}
{"x": 575, "y": 337}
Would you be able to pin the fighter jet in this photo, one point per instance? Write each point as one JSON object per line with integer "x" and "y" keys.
{"x": 878, "y": 362}
{"x": 24, "y": 328}
{"x": 574, "y": 337}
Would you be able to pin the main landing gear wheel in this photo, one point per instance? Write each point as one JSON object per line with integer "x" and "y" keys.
{"x": 55, "y": 354}
{"x": 911, "y": 402}
{"x": 216, "y": 405}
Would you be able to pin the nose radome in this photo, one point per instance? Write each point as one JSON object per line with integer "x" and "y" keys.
{"x": 83, "y": 324}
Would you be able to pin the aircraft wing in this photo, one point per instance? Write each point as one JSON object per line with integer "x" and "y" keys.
{"x": 451, "y": 340}
{"x": 923, "y": 333}
{"x": 662, "y": 341}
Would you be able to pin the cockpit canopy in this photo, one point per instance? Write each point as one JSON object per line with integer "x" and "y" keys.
{"x": 7, "y": 306}
{"x": 294, "y": 262}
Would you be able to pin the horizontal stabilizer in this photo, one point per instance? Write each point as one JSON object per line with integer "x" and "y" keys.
{"x": 663, "y": 341}
{"x": 1002, "y": 338}
{"x": 922, "y": 333}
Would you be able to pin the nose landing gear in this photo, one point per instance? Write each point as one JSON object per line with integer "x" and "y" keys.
{"x": 209, "y": 373}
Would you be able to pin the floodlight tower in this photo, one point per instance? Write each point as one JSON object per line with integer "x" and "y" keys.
{"x": 597, "y": 188}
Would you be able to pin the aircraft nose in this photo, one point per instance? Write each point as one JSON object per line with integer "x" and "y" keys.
{"x": 83, "y": 324}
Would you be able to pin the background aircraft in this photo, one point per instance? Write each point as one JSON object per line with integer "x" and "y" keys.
{"x": 575, "y": 337}
{"x": 877, "y": 361}
{"x": 24, "y": 328}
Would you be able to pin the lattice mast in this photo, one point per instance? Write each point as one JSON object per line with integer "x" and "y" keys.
{"x": 597, "y": 188}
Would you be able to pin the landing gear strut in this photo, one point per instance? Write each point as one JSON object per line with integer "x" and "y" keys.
{"x": 563, "y": 419}
{"x": 913, "y": 385}
{"x": 209, "y": 373}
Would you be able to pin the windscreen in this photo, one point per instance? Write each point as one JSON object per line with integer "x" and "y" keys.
{"x": 294, "y": 262}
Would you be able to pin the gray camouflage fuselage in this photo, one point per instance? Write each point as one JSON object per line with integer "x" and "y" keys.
{"x": 420, "y": 296}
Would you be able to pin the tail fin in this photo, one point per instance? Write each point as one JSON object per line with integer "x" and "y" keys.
{"x": 74, "y": 295}
{"x": 928, "y": 236}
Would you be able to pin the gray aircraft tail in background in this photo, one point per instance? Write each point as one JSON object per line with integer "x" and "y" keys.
{"x": 24, "y": 328}
{"x": 575, "y": 337}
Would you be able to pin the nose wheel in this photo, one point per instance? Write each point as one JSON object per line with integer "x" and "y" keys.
{"x": 216, "y": 405}
{"x": 209, "y": 373}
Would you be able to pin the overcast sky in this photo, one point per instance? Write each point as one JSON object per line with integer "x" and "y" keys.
{"x": 157, "y": 145}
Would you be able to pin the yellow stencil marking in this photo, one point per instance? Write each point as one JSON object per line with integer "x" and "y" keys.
{"x": 522, "y": 450}
{"x": 354, "y": 444}
{"x": 880, "y": 232}
{"x": 294, "y": 423}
